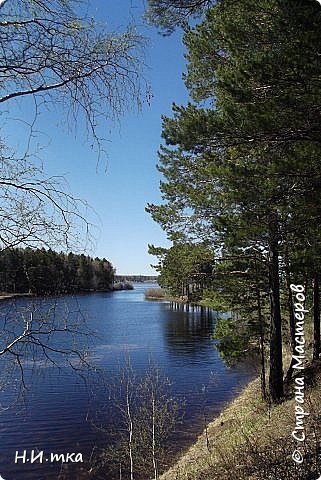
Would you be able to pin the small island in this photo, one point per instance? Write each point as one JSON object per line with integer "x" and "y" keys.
{"x": 123, "y": 286}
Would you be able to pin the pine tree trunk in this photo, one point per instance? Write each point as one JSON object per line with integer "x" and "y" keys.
{"x": 316, "y": 317}
{"x": 276, "y": 367}
{"x": 291, "y": 316}
{"x": 262, "y": 335}
{"x": 261, "y": 326}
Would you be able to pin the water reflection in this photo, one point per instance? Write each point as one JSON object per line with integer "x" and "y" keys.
{"x": 60, "y": 402}
{"x": 188, "y": 332}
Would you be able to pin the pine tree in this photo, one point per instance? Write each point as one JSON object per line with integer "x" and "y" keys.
{"x": 239, "y": 160}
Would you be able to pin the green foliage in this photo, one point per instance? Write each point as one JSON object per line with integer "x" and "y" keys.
{"x": 236, "y": 340}
{"x": 169, "y": 14}
{"x": 185, "y": 269}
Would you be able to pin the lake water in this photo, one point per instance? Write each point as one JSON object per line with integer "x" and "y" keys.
{"x": 59, "y": 408}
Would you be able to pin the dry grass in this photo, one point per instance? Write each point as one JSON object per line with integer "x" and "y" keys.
{"x": 250, "y": 441}
{"x": 156, "y": 293}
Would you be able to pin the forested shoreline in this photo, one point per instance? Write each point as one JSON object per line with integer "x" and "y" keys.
{"x": 45, "y": 272}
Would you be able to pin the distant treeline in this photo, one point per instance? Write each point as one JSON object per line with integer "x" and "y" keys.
{"x": 136, "y": 278}
{"x": 46, "y": 272}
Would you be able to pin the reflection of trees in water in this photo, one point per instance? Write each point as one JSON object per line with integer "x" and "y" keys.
{"x": 188, "y": 332}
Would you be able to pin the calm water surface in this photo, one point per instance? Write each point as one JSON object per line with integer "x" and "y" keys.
{"x": 59, "y": 407}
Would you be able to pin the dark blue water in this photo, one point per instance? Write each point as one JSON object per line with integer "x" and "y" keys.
{"x": 57, "y": 411}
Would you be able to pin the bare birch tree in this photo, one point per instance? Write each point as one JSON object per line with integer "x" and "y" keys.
{"x": 144, "y": 414}
{"x": 54, "y": 57}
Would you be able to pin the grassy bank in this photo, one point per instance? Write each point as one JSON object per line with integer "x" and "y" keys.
{"x": 251, "y": 441}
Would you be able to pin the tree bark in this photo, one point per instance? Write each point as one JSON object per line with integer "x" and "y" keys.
{"x": 291, "y": 316}
{"x": 263, "y": 382}
{"x": 276, "y": 365}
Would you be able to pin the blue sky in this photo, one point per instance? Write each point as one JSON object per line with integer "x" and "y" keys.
{"x": 119, "y": 193}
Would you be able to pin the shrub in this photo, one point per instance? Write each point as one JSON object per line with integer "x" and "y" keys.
{"x": 156, "y": 293}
